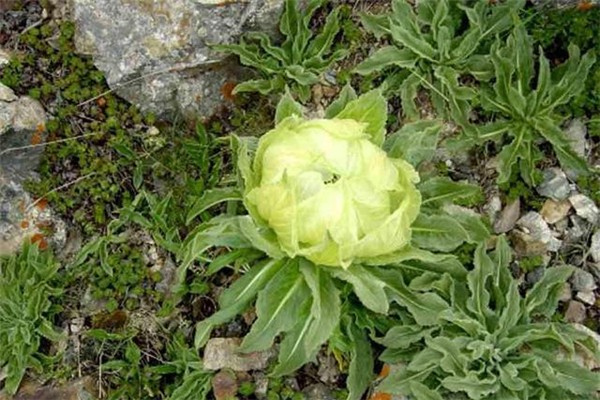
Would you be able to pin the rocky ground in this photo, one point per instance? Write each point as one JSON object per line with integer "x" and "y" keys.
{"x": 91, "y": 117}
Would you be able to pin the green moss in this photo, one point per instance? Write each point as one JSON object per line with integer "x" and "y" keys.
{"x": 528, "y": 264}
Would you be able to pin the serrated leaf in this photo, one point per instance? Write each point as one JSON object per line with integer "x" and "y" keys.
{"x": 276, "y": 308}
{"x": 403, "y": 336}
{"x": 322, "y": 42}
{"x": 543, "y": 298}
{"x": 303, "y": 342}
{"x": 301, "y": 75}
{"x": 562, "y": 146}
{"x": 479, "y": 301}
{"x": 360, "y": 371}
{"x": 422, "y": 392}
{"x": 370, "y": 108}
{"x": 436, "y": 191}
{"x": 452, "y": 361}
{"x": 438, "y": 233}
{"x": 368, "y": 288}
{"x": 472, "y": 384}
{"x": 398, "y": 382}
{"x": 405, "y": 37}
{"x": 511, "y": 153}
{"x": 211, "y": 198}
{"x": 385, "y": 57}
{"x": 262, "y": 86}
{"x": 287, "y": 107}
{"x": 378, "y": 25}
{"x": 424, "y": 307}
{"x": 472, "y": 223}
{"x": 414, "y": 142}
{"x": 408, "y": 93}
{"x": 344, "y": 97}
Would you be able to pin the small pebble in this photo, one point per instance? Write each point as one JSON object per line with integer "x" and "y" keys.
{"x": 575, "y": 312}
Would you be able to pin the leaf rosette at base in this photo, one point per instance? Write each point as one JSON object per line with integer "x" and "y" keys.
{"x": 336, "y": 218}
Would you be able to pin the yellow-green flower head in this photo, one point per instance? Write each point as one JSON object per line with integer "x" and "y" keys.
{"x": 330, "y": 194}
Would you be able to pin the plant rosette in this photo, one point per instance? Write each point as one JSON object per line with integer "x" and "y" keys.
{"x": 491, "y": 342}
{"x": 333, "y": 207}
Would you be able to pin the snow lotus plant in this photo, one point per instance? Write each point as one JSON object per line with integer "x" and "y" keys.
{"x": 334, "y": 211}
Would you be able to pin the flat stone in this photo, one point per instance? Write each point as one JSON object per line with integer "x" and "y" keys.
{"x": 224, "y": 385}
{"x": 588, "y": 298}
{"x": 554, "y": 211}
{"x": 583, "y": 281}
{"x": 4, "y": 57}
{"x": 555, "y": 184}
{"x": 565, "y": 295}
{"x": 508, "y": 217}
{"x": 575, "y": 312}
{"x": 158, "y": 54}
{"x": 595, "y": 246}
{"x": 537, "y": 230}
{"x": 578, "y": 228}
{"x": 318, "y": 391}
{"x": 576, "y": 131}
{"x": 7, "y": 94}
{"x": 493, "y": 207}
{"x": 81, "y": 389}
{"x": 585, "y": 207}
{"x": 222, "y": 353}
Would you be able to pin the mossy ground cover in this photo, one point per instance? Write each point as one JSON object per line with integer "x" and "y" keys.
{"x": 121, "y": 326}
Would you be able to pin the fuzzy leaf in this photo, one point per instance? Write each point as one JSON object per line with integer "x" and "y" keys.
{"x": 385, "y": 57}
{"x": 438, "y": 233}
{"x": 543, "y": 298}
{"x": 414, "y": 142}
{"x": 275, "y": 308}
{"x": 211, "y": 198}
{"x": 344, "y": 97}
{"x": 287, "y": 107}
{"x": 370, "y": 108}
{"x": 361, "y": 366}
{"x": 368, "y": 288}
{"x": 437, "y": 191}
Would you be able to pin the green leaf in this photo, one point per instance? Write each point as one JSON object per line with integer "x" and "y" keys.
{"x": 452, "y": 362}
{"x": 322, "y": 42}
{"x": 471, "y": 222}
{"x": 436, "y": 191}
{"x": 413, "y": 42}
{"x": 346, "y": 96}
{"x": 211, "y": 198}
{"x": 472, "y": 384}
{"x": 422, "y": 392}
{"x": 424, "y": 307}
{"x": 275, "y": 308}
{"x": 511, "y": 153}
{"x": 562, "y": 146}
{"x": 368, "y": 288}
{"x": 542, "y": 299}
{"x": 301, "y": 75}
{"x": 479, "y": 301}
{"x": 438, "y": 233}
{"x": 287, "y": 107}
{"x": 370, "y": 108}
{"x": 415, "y": 142}
{"x": 378, "y": 25}
{"x": 302, "y": 343}
{"x": 360, "y": 371}
{"x": 386, "y": 57}
{"x": 399, "y": 381}
{"x": 576, "y": 379}
{"x": 403, "y": 336}
{"x": 262, "y": 86}
{"x": 408, "y": 93}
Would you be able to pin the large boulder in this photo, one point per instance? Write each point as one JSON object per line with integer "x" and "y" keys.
{"x": 157, "y": 53}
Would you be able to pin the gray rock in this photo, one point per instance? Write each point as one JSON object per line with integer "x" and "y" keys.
{"x": 582, "y": 281}
{"x": 575, "y": 312}
{"x": 4, "y": 57}
{"x": 576, "y": 131}
{"x": 537, "y": 229}
{"x": 555, "y": 184}
{"x": 22, "y": 124}
{"x": 6, "y": 94}
{"x": 585, "y": 207}
{"x": 565, "y": 295}
{"x": 589, "y": 361}
{"x": 556, "y": 3}
{"x": 493, "y": 207}
{"x": 595, "y": 246}
{"x": 578, "y": 228}
{"x": 508, "y": 217}
{"x": 318, "y": 391}
{"x": 534, "y": 276}
{"x": 157, "y": 54}
{"x": 222, "y": 353}
{"x": 587, "y": 297}
{"x": 554, "y": 211}
{"x": 224, "y": 385}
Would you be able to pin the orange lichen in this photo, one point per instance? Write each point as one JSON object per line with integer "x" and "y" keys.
{"x": 585, "y": 5}
{"x": 37, "y": 135}
{"x": 24, "y": 224}
{"x": 39, "y": 239}
{"x": 381, "y": 396}
{"x": 41, "y": 204}
{"x": 385, "y": 371}
{"x": 227, "y": 90}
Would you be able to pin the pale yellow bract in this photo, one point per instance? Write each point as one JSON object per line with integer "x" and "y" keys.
{"x": 330, "y": 194}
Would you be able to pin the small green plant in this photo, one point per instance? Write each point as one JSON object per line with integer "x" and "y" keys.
{"x": 301, "y": 58}
{"x": 326, "y": 203}
{"x": 27, "y": 287}
{"x": 526, "y": 114}
{"x": 430, "y": 49}
{"x": 490, "y": 343}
